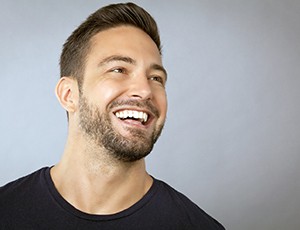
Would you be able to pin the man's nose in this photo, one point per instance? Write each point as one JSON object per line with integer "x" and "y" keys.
{"x": 140, "y": 87}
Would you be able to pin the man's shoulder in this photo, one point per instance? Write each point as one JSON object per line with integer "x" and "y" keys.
{"x": 22, "y": 185}
{"x": 185, "y": 209}
{"x": 22, "y": 201}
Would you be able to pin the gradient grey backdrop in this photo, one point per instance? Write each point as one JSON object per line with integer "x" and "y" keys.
{"x": 232, "y": 139}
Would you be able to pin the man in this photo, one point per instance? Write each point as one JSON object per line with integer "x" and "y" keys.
{"x": 112, "y": 86}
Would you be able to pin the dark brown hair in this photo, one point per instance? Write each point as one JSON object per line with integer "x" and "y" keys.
{"x": 77, "y": 46}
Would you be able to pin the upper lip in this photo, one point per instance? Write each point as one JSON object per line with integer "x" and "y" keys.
{"x": 138, "y": 105}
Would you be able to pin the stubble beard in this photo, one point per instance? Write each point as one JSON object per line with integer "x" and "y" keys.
{"x": 98, "y": 128}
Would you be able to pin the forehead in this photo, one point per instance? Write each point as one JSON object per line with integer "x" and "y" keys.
{"x": 126, "y": 40}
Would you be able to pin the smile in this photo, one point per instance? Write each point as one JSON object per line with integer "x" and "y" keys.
{"x": 132, "y": 114}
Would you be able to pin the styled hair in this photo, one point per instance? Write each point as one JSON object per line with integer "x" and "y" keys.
{"x": 77, "y": 46}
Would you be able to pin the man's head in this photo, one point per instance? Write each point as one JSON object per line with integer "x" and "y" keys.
{"x": 119, "y": 100}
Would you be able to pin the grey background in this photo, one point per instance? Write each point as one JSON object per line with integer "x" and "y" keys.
{"x": 231, "y": 142}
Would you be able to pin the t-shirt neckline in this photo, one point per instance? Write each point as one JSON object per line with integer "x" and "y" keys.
{"x": 80, "y": 214}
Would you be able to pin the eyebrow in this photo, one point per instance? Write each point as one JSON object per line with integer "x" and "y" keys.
{"x": 129, "y": 60}
{"x": 117, "y": 58}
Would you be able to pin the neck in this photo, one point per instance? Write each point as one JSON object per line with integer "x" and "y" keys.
{"x": 94, "y": 183}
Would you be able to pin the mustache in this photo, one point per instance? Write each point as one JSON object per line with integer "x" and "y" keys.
{"x": 148, "y": 105}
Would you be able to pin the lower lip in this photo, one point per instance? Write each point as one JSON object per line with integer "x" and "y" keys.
{"x": 133, "y": 123}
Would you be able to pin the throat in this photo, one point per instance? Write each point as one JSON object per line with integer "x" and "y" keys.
{"x": 108, "y": 190}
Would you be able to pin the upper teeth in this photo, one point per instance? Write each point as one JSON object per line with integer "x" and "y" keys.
{"x": 132, "y": 114}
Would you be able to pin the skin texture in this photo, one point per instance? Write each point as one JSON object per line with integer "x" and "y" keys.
{"x": 123, "y": 72}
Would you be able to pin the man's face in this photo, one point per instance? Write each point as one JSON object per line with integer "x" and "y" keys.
{"x": 123, "y": 104}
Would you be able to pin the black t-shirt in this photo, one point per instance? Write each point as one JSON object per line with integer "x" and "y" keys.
{"x": 32, "y": 202}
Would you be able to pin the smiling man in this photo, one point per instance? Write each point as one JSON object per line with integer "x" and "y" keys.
{"x": 112, "y": 86}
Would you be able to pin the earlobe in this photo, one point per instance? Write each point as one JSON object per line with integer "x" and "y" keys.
{"x": 66, "y": 92}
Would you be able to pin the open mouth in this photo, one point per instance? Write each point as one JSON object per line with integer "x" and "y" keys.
{"x": 133, "y": 115}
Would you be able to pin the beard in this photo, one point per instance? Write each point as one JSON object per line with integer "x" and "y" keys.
{"x": 98, "y": 128}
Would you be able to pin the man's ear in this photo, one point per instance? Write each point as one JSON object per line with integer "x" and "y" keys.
{"x": 67, "y": 92}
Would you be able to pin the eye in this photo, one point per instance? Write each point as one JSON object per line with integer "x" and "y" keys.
{"x": 158, "y": 79}
{"x": 118, "y": 70}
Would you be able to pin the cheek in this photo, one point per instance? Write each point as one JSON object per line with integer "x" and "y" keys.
{"x": 162, "y": 102}
{"x": 104, "y": 94}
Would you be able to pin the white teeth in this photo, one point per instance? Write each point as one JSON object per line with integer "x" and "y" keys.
{"x": 145, "y": 117}
{"x": 132, "y": 114}
{"x": 141, "y": 115}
